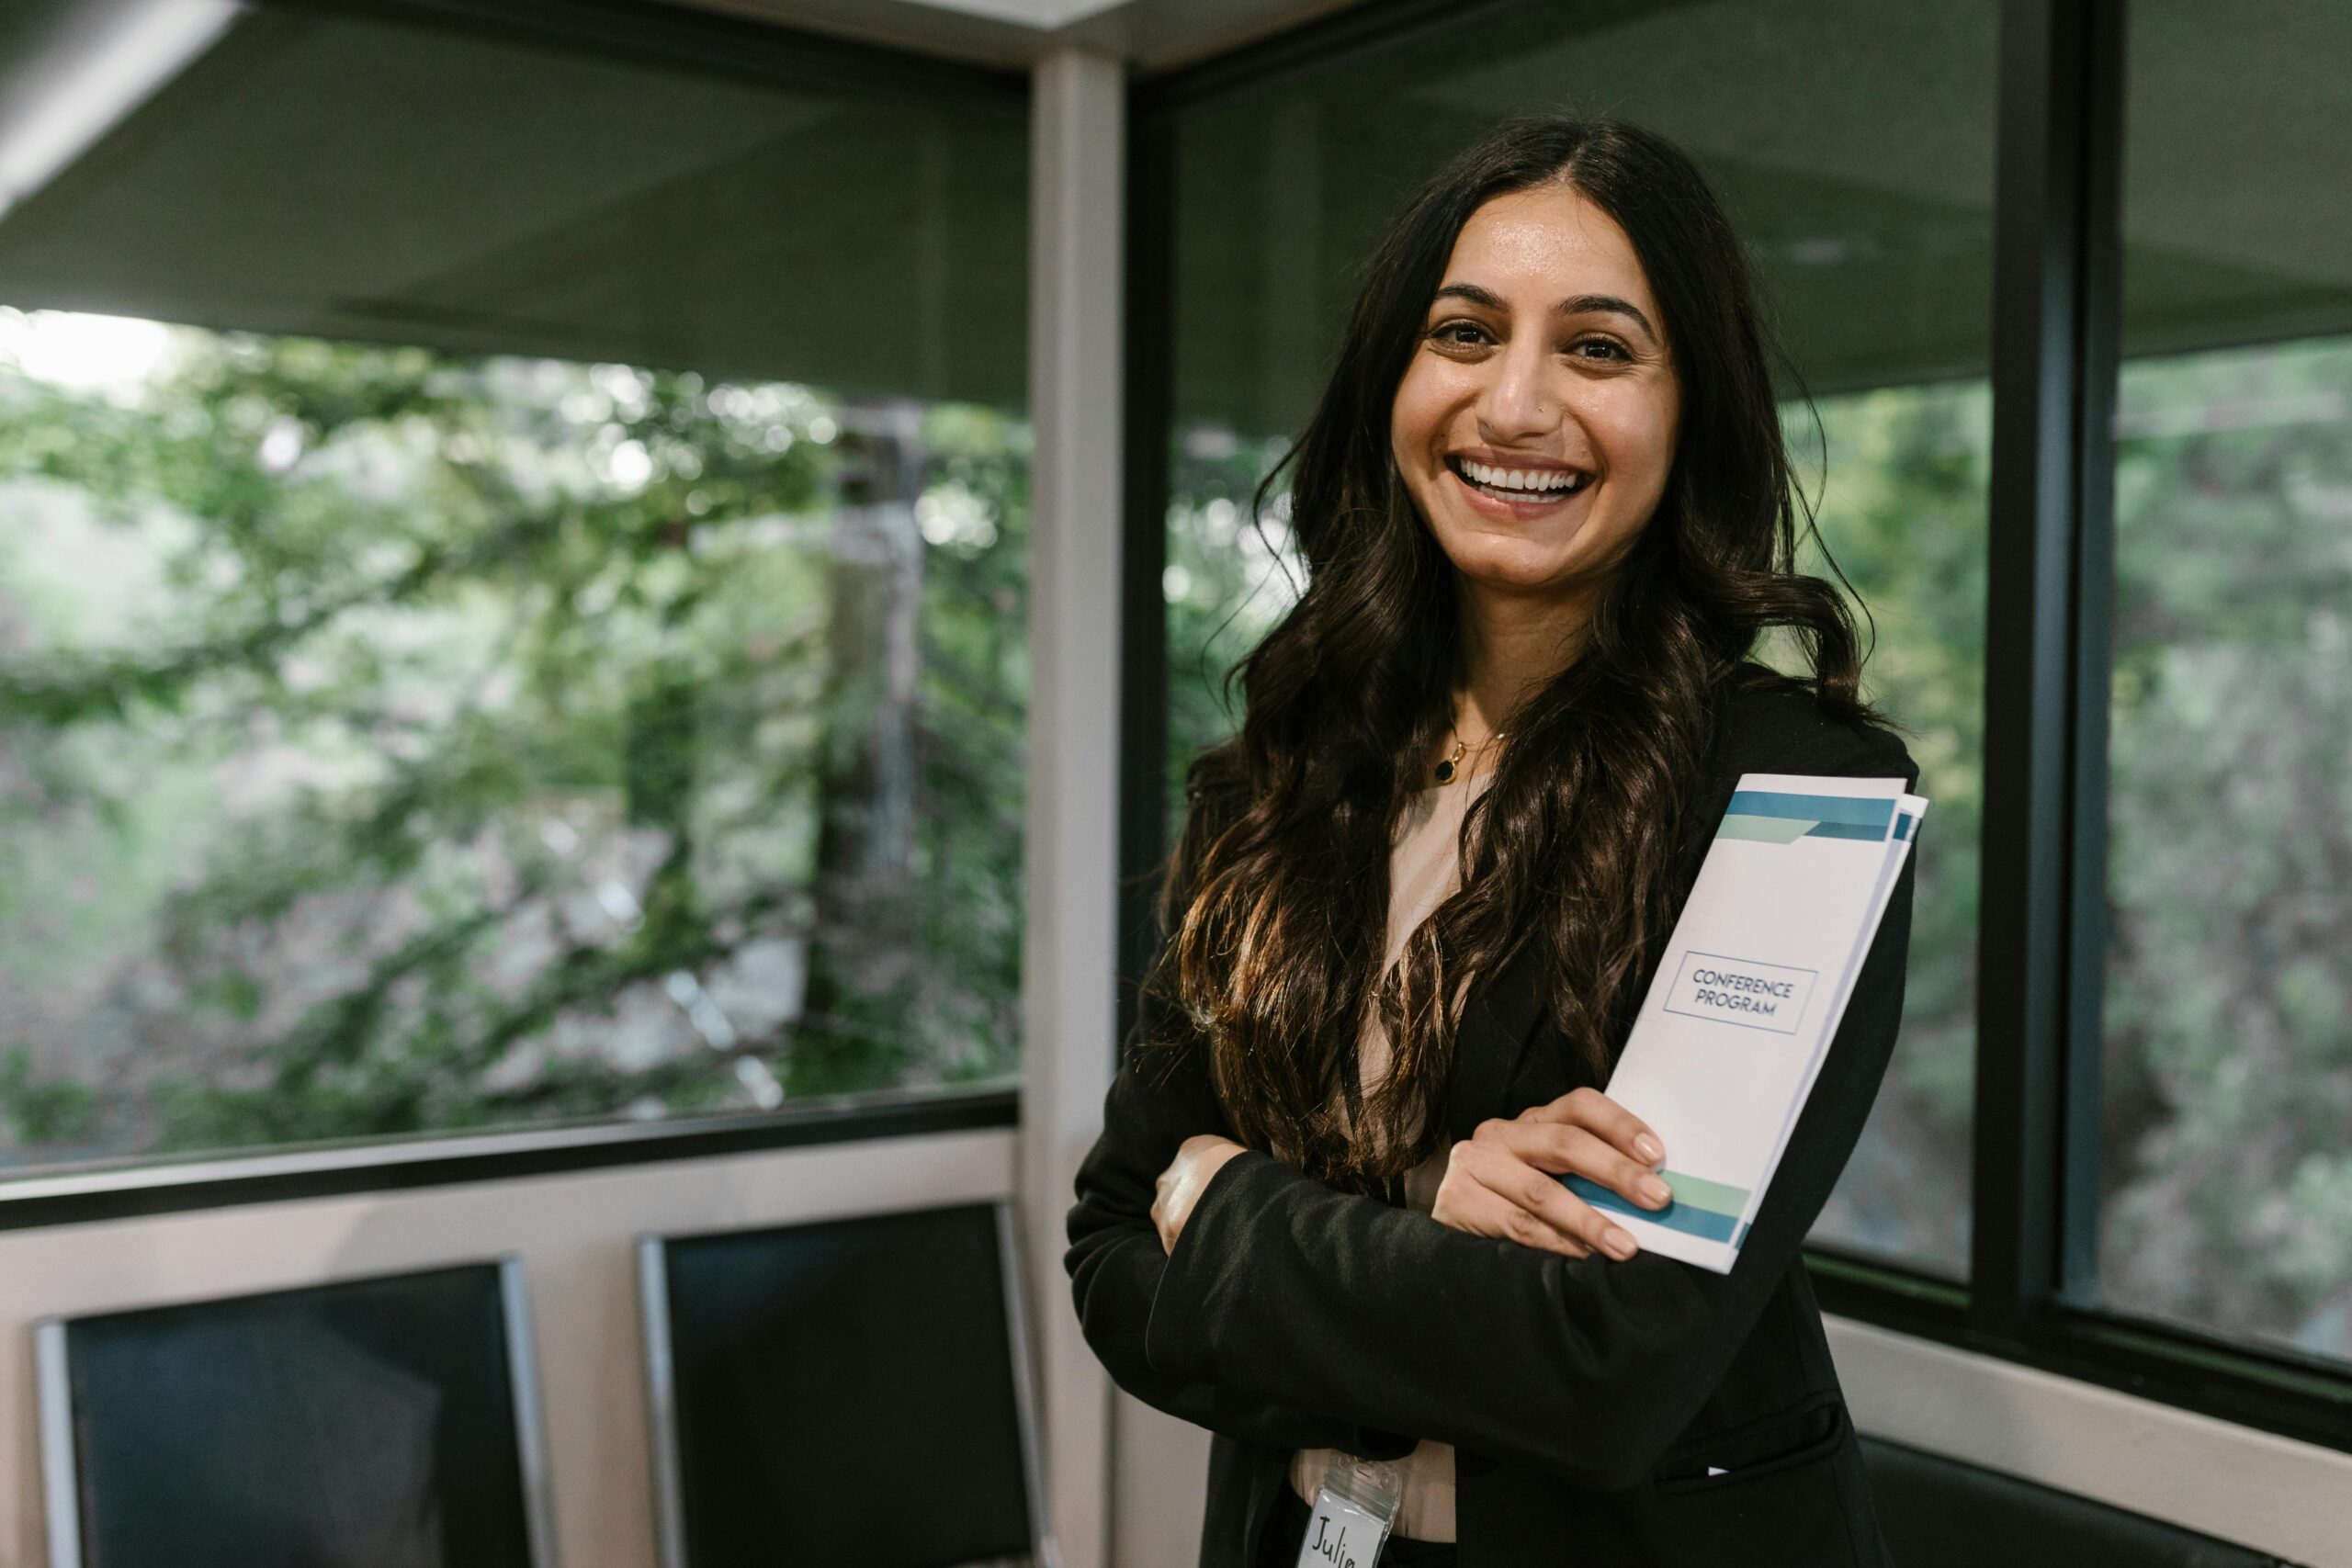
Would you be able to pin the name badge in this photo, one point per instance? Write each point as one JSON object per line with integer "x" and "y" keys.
{"x": 1342, "y": 1534}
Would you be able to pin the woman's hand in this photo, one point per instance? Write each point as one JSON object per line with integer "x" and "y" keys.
{"x": 1504, "y": 1180}
{"x": 1198, "y": 1158}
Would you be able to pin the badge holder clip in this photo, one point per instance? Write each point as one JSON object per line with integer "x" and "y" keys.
{"x": 1353, "y": 1510}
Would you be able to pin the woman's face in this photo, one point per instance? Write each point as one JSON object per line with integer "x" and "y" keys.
{"x": 1535, "y": 423}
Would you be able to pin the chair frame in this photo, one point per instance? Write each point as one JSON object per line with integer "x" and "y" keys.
{"x": 660, "y": 1371}
{"x": 61, "y": 1479}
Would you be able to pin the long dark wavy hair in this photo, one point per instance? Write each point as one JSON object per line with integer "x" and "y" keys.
{"x": 1283, "y": 862}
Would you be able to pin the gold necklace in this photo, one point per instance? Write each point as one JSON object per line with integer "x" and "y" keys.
{"x": 1446, "y": 770}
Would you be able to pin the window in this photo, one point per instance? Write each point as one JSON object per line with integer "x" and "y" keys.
{"x": 2074, "y": 307}
{"x": 1854, "y": 148}
{"x": 1902, "y": 509}
{"x": 511, "y": 594}
{"x": 2226, "y": 1181}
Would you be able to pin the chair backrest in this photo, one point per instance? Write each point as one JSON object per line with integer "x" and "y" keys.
{"x": 389, "y": 1422}
{"x": 1941, "y": 1513}
{"x": 853, "y": 1392}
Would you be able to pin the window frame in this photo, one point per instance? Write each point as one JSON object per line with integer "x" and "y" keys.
{"x": 2032, "y": 1295}
{"x": 68, "y": 1194}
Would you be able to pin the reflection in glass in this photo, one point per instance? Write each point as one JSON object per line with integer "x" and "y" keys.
{"x": 2225, "y": 1173}
{"x": 2227, "y": 1176}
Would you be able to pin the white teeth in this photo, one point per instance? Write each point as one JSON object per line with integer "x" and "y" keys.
{"x": 1542, "y": 481}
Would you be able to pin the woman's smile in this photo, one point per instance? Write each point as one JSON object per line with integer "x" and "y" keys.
{"x": 1513, "y": 492}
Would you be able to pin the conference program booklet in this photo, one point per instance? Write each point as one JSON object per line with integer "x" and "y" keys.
{"x": 1748, "y": 997}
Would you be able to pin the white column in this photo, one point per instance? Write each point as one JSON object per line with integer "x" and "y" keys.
{"x": 1069, "y": 948}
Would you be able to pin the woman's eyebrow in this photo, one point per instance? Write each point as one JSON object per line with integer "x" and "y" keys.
{"x": 1575, "y": 305}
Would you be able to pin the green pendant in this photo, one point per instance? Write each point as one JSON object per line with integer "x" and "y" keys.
{"x": 1445, "y": 771}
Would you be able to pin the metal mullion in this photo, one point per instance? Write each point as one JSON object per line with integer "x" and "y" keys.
{"x": 2023, "y": 999}
{"x": 1150, "y": 308}
{"x": 2097, "y": 365}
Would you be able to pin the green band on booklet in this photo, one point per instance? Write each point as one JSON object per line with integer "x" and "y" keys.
{"x": 1723, "y": 1198}
{"x": 1709, "y": 1209}
{"x": 1764, "y": 829}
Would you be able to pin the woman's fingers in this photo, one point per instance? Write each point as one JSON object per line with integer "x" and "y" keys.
{"x": 1470, "y": 1199}
{"x": 1561, "y": 1212}
{"x": 1490, "y": 1191}
{"x": 1179, "y": 1187}
{"x": 1489, "y": 1212}
{"x": 1561, "y": 1150}
{"x": 1505, "y": 1180}
{"x": 1590, "y": 1109}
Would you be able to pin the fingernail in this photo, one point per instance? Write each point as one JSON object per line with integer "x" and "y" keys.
{"x": 1652, "y": 1190}
{"x": 1648, "y": 1147}
{"x": 1618, "y": 1245}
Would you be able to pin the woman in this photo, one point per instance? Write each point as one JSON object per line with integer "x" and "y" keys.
{"x": 1546, "y": 515}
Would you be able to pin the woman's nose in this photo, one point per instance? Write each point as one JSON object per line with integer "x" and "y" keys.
{"x": 1517, "y": 403}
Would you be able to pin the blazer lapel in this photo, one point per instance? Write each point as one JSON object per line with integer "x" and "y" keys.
{"x": 1496, "y": 1026}
{"x": 1501, "y": 1021}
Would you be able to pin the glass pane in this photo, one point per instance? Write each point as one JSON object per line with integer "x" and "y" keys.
{"x": 2227, "y": 1180}
{"x": 1902, "y": 512}
{"x": 511, "y": 613}
{"x": 1854, "y": 145}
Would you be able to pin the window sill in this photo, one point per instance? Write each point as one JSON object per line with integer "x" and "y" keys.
{"x": 114, "y": 1190}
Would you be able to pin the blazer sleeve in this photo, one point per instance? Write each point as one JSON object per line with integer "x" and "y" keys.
{"x": 1162, "y": 1094}
{"x": 1289, "y": 1291}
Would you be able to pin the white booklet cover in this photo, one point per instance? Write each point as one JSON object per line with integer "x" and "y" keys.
{"x": 1748, "y": 995}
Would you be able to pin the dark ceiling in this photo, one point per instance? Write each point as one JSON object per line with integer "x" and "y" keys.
{"x": 354, "y": 176}
{"x": 1852, "y": 142}
{"x": 359, "y": 176}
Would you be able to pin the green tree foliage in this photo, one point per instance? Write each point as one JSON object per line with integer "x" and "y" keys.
{"x": 1231, "y": 573}
{"x": 2227, "y": 1146}
{"x": 1899, "y": 479}
{"x": 398, "y": 743}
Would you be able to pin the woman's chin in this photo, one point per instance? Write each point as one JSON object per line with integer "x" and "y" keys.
{"x": 1516, "y": 575}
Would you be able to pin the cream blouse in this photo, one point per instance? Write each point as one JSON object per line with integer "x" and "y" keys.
{"x": 1423, "y": 869}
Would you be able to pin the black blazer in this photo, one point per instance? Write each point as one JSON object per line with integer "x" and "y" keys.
{"x": 1585, "y": 1399}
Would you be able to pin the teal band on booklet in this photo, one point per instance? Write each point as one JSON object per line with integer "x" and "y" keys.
{"x": 1689, "y": 1218}
{"x": 1804, "y": 816}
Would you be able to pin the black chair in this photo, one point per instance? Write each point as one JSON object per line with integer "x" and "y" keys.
{"x": 847, "y": 1395}
{"x": 378, "y": 1423}
{"x": 1941, "y": 1513}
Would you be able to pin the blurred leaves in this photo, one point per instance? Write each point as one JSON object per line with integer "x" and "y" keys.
{"x": 398, "y": 743}
{"x": 2227, "y": 1164}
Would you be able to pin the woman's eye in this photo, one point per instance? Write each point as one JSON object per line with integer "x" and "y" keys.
{"x": 1606, "y": 349}
{"x": 1466, "y": 333}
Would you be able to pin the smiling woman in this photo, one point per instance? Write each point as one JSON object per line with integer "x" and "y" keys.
{"x": 1855, "y": 159}
{"x": 1544, "y": 512}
